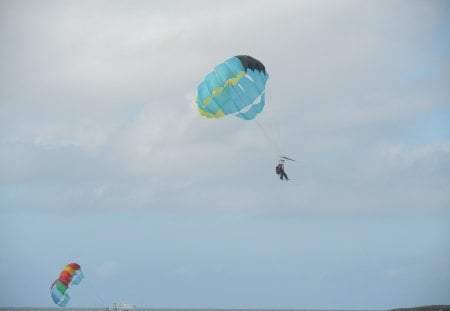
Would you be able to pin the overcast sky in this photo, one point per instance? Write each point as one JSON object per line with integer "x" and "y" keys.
{"x": 105, "y": 161}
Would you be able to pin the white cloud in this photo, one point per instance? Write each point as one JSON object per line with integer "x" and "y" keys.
{"x": 432, "y": 158}
{"x": 108, "y": 269}
{"x": 92, "y": 99}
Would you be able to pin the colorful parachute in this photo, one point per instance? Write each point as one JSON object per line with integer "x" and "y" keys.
{"x": 235, "y": 87}
{"x": 70, "y": 274}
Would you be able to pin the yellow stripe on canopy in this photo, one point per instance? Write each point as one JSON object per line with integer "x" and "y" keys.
{"x": 69, "y": 269}
{"x": 230, "y": 82}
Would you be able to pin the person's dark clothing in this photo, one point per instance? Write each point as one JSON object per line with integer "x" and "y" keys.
{"x": 280, "y": 171}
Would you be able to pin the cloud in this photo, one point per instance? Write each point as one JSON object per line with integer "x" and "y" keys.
{"x": 108, "y": 269}
{"x": 433, "y": 158}
{"x": 102, "y": 114}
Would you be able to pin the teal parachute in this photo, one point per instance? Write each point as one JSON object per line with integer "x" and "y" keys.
{"x": 235, "y": 87}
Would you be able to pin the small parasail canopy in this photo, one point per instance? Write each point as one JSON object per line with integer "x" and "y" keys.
{"x": 235, "y": 87}
{"x": 71, "y": 274}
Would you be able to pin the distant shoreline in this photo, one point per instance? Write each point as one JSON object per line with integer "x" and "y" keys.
{"x": 425, "y": 308}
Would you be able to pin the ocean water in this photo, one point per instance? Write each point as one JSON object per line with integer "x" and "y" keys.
{"x": 150, "y": 309}
{"x": 154, "y": 309}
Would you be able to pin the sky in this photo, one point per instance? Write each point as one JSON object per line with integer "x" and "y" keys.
{"x": 106, "y": 162}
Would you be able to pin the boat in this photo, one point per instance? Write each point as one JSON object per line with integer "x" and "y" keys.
{"x": 120, "y": 307}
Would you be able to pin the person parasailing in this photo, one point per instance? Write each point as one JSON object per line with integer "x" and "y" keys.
{"x": 279, "y": 169}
